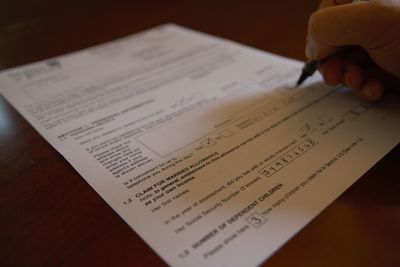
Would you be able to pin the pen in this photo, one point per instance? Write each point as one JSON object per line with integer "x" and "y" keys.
{"x": 311, "y": 66}
{"x": 308, "y": 70}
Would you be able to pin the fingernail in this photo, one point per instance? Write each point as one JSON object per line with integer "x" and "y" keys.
{"x": 310, "y": 48}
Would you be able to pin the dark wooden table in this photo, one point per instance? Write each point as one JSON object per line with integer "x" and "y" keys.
{"x": 49, "y": 215}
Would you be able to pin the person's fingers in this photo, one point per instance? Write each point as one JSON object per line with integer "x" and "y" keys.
{"x": 357, "y": 44}
{"x": 331, "y": 69}
{"x": 387, "y": 80}
{"x": 357, "y": 56}
{"x": 372, "y": 90}
{"x": 353, "y": 77}
{"x": 340, "y": 25}
{"x": 348, "y": 68}
{"x": 373, "y": 25}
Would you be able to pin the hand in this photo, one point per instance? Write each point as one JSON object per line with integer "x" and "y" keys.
{"x": 358, "y": 45}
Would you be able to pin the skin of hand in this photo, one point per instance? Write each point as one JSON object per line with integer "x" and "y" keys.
{"x": 357, "y": 44}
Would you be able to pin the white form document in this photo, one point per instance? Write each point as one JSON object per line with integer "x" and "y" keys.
{"x": 200, "y": 144}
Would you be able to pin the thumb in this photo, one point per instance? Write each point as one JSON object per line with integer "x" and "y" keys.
{"x": 342, "y": 25}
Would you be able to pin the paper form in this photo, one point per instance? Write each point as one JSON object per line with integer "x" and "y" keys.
{"x": 200, "y": 144}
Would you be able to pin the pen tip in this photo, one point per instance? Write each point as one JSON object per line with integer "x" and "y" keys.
{"x": 301, "y": 79}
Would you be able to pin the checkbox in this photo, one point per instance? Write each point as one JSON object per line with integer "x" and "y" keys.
{"x": 209, "y": 142}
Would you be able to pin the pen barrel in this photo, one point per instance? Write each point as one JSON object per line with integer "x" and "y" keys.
{"x": 310, "y": 67}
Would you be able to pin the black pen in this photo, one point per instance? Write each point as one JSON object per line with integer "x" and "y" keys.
{"x": 308, "y": 70}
